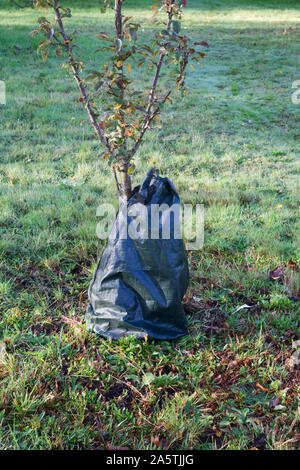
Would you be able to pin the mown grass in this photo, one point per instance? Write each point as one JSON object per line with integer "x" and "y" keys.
{"x": 230, "y": 143}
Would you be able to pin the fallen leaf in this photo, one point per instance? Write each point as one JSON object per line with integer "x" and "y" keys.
{"x": 155, "y": 440}
{"x": 110, "y": 447}
{"x": 295, "y": 359}
{"x": 277, "y": 274}
{"x": 259, "y": 442}
{"x": 275, "y": 401}
{"x": 264, "y": 389}
{"x": 242, "y": 307}
{"x": 291, "y": 264}
{"x": 186, "y": 352}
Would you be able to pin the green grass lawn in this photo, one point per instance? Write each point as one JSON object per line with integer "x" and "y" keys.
{"x": 232, "y": 144}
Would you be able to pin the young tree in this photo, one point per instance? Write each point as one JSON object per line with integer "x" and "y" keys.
{"x": 119, "y": 113}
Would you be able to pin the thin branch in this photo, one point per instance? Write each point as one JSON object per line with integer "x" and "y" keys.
{"x": 75, "y": 69}
{"x": 125, "y": 181}
{"x": 148, "y": 113}
{"x": 119, "y": 35}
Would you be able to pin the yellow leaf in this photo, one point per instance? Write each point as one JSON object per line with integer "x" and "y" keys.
{"x": 119, "y": 63}
{"x": 117, "y": 106}
{"x": 11, "y": 183}
{"x": 128, "y": 68}
{"x": 131, "y": 169}
{"x": 192, "y": 67}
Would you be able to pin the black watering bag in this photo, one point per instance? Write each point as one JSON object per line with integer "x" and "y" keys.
{"x": 140, "y": 280}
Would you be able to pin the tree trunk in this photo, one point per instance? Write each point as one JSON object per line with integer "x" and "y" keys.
{"x": 126, "y": 185}
{"x": 126, "y": 180}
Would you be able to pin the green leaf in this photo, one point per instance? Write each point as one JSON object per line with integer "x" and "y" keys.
{"x": 66, "y": 13}
{"x": 131, "y": 169}
{"x": 42, "y": 20}
{"x": 176, "y": 26}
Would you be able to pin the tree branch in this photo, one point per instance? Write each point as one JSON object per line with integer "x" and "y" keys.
{"x": 148, "y": 115}
{"x": 126, "y": 180}
{"x": 76, "y": 74}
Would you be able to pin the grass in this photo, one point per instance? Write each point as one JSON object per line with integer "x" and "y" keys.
{"x": 231, "y": 144}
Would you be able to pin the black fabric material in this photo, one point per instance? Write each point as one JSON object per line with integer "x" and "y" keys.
{"x": 139, "y": 283}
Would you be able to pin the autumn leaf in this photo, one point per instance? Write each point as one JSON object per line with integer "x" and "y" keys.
{"x": 275, "y": 401}
{"x": 277, "y": 274}
{"x": 44, "y": 54}
{"x": 131, "y": 169}
{"x": 259, "y": 442}
{"x": 264, "y": 389}
{"x": 202, "y": 43}
{"x": 155, "y": 440}
{"x": 110, "y": 447}
{"x": 291, "y": 264}
{"x": 128, "y": 66}
{"x": 102, "y": 36}
{"x": 119, "y": 63}
{"x": 126, "y": 19}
